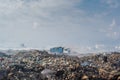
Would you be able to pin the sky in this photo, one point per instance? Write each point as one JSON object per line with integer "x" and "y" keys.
{"x": 86, "y": 25}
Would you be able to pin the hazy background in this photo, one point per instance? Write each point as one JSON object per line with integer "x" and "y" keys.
{"x": 85, "y": 25}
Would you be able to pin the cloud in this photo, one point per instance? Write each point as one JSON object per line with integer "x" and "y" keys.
{"x": 54, "y": 22}
{"x": 113, "y": 24}
{"x": 112, "y": 31}
{"x": 117, "y": 47}
{"x": 111, "y": 3}
{"x": 113, "y": 35}
{"x": 13, "y": 5}
{"x": 42, "y": 11}
{"x": 99, "y": 46}
{"x": 35, "y": 25}
{"x": 47, "y": 17}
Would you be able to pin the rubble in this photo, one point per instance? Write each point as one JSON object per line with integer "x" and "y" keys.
{"x": 39, "y": 65}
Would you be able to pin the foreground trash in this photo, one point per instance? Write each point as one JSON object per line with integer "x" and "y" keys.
{"x": 39, "y": 65}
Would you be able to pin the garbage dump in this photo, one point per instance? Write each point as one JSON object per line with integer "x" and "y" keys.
{"x": 39, "y": 65}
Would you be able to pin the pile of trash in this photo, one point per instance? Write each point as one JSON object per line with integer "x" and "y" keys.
{"x": 39, "y": 65}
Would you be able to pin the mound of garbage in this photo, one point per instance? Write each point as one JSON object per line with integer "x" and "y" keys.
{"x": 39, "y": 65}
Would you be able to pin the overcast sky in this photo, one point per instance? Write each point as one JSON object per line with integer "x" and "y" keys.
{"x": 86, "y": 25}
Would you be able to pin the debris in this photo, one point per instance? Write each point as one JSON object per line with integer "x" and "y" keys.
{"x": 39, "y": 65}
